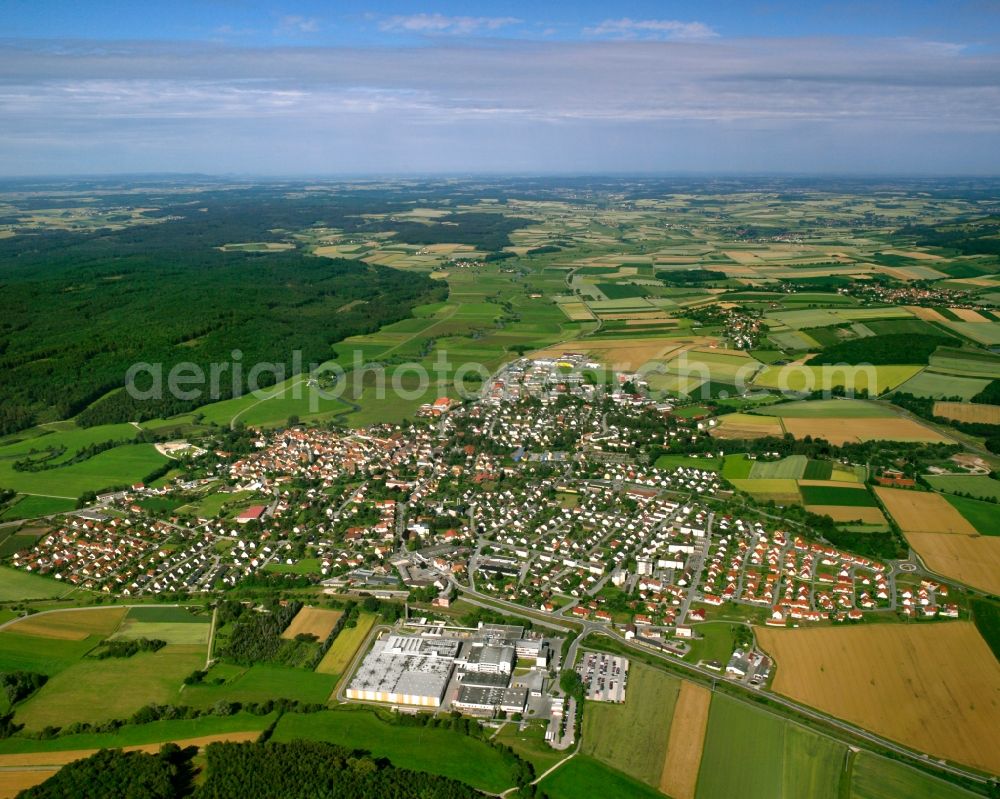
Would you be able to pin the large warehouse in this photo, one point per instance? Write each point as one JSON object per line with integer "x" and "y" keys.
{"x": 405, "y": 670}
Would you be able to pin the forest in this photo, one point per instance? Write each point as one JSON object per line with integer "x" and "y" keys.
{"x": 895, "y": 348}
{"x": 139, "y": 301}
{"x": 298, "y": 770}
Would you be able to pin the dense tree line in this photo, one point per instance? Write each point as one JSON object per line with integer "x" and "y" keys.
{"x": 682, "y": 277}
{"x": 125, "y": 649}
{"x": 990, "y": 395}
{"x": 484, "y": 231}
{"x": 895, "y": 348}
{"x": 296, "y": 770}
{"x": 18, "y": 685}
{"x": 924, "y": 407}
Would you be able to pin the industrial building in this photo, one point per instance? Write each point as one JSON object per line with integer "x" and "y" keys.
{"x": 406, "y": 670}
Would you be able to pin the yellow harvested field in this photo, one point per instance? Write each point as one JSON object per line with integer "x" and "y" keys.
{"x": 745, "y": 425}
{"x": 968, "y": 315}
{"x": 933, "y": 687}
{"x": 313, "y": 621}
{"x": 973, "y": 560}
{"x": 923, "y": 512}
{"x": 927, "y": 314}
{"x": 968, "y": 412}
{"x": 844, "y": 476}
{"x": 61, "y": 758}
{"x": 13, "y": 782}
{"x": 780, "y": 489}
{"x": 687, "y": 738}
{"x": 742, "y": 257}
{"x": 628, "y": 355}
{"x": 848, "y": 513}
{"x": 576, "y": 311}
{"x": 72, "y": 625}
{"x": 841, "y": 431}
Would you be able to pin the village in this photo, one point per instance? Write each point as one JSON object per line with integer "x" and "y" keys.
{"x": 534, "y": 510}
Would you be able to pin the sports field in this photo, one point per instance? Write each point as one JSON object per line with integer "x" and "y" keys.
{"x": 632, "y": 737}
{"x": 932, "y": 687}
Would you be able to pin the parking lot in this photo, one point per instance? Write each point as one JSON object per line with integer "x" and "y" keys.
{"x": 605, "y": 677}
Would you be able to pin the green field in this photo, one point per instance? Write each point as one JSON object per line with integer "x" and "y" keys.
{"x": 837, "y": 495}
{"x": 804, "y": 378}
{"x": 978, "y": 485}
{"x": 675, "y": 461}
{"x": 258, "y": 683}
{"x": 338, "y": 657}
{"x": 876, "y": 777}
{"x": 836, "y": 408}
{"x": 211, "y": 506}
{"x": 968, "y": 363}
{"x": 17, "y": 585}
{"x": 436, "y": 751}
{"x": 530, "y": 744}
{"x": 793, "y": 467}
{"x": 773, "y": 757}
{"x": 44, "y": 655}
{"x": 137, "y": 734}
{"x": 29, "y": 506}
{"x": 129, "y": 463}
{"x": 173, "y": 625}
{"x": 984, "y": 516}
{"x": 938, "y": 386}
{"x": 737, "y": 467}
{"x": 96, "y": 690}
{"x": 583, "y": 776}
{"x": 632, "y": 737}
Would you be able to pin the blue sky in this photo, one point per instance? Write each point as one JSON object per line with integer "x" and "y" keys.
{"x": 410, "y": 87}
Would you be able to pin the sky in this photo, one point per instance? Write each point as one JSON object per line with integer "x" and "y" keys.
{"x": 311, "y": 88}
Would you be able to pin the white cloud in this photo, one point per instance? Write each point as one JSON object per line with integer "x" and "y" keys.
{"x": 626, "y": 28}
{"x": 296, "y": 24}
{"x": 439, "y": 23}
